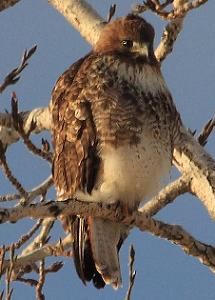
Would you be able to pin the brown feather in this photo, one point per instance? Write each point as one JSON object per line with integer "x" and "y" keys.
{"x": 75, "y": 161}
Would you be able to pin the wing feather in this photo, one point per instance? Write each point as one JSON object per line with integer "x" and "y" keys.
{"x": 76, "y": 160}
{"x": 74, "y": 137}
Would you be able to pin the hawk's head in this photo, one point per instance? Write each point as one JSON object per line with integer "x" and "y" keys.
{"x": 130, "y": 35}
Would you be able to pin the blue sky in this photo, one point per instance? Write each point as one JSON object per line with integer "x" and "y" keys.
{"x": 163, "y": 270}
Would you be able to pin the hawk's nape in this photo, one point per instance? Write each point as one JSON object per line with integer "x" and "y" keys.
{"x": 114, "y": 124}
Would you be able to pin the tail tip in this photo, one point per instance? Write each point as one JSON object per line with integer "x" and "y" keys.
{"x": 114, "y": 281}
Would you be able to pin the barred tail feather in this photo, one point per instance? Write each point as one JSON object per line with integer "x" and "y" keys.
{"x": 95, "y": 249}
{"x": 83, "y": 259}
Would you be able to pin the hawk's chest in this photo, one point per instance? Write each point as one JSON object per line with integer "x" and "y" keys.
{"x": 136, "y": 105}
{"x": 137, "y": 152}
{"x": 146, "y": 78}
{"x": 132, "y": 173}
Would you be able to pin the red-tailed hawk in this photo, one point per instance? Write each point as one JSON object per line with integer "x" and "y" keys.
{"x": 114, "y": 123}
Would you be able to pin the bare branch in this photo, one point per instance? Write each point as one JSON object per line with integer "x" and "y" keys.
{"x": 111, "y": 12}
{"x": 47, "y": 225}
{"x": 13, "y": 180}
{"x": 28, "y": 281}
{"x": 150, "y": 5}
{"x": 206, "y": 131}
{"x": 168, "y": 39}
{"x": 41, "y": 189}
{"x": 174, "y": 233}
{"x": 2, "y": 257}
{"x": 55, "y": 267}
{"x": 9, "y": 197}
{"x": 191, "y": 159}
{"x": 167, "y": 195}
{"x": 132, "y": 272}
{"x": 9, "y": 271}
{"x": 179, "y": 11}
{"x": 40, "y": 284}
{"x": 45, "y": 251}
{"x": 183, "y": 10}
{"x": 40, "y": 117}
{"x": 13, "y": 76}
{"x": 82, "y": 16}
{"x": 170, "y": 32}
{"x": 178, "y": 236}
{"x": 18, "y": 125}
{"x": 24, "y": 238}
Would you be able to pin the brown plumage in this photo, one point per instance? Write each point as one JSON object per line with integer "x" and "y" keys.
{"x": 114, "y": 123}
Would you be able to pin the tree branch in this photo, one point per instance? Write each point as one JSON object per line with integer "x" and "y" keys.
{"x": 47, "y": 225}
{"x": 170, "y": 34}
{"x": 132, "y": 272}
{"x": 180, "y": 8}
{"x": 87, "y": 21}
{"x": 14, "y": 75}
{"x": 58, "y": 249}
{"x": 82, "y": 16}
{"x": 173, "y": 233}
{"x": 167, "y": 195}
{"x": 40, "y": 117}
{"x": 190, "y": 158}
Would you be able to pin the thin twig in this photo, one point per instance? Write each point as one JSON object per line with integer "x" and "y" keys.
{"x": 9, "y": 271}
{"x": 55, "y": 267}
{"x": 167, "y": 195}
{"x": 132, "y": 272}
{"x": 28, "y": 281}
{"x": 8, "y": 173}
{"x": 150, "y": 4}
{"x": 9, "y": 197}
{"x": 2, "y": 257}
{"x": 47, "y": 225}
{"x": 111, "y": 12}
{"x": 18, "y": 125}
{"x": 174, "y": 13}
{"x": 13, "y": 76}
{"x": 40, "y": 190}
{"x": 35, "y": 192}
{"x": 26, "y": 262}
{"x": 26, "y": 237}
{"x": 41, "y": 281}
{"x": 206, "y": 131}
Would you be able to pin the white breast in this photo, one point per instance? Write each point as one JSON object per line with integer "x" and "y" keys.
{"x": 135, "y": 173}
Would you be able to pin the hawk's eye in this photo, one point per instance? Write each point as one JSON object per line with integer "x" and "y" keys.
{"x": 127, "y": 43}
